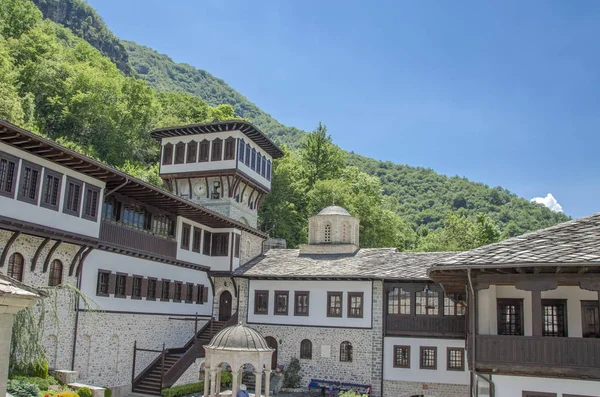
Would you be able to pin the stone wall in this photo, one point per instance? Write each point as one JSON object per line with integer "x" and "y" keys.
{"x": 408, "y": 389}
{"x": 222, "y": 284}
{"x": 251, "y": 247}
{"x": 377, "y": 338}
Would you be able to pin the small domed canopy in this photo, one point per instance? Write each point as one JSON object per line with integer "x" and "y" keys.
{"x": 239, "y": 337}
{"x": 236, "y": 345}
{"x": 334, "y": 210}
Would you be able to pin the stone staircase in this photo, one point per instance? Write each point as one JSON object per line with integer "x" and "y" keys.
{"x": 171, "y": 363}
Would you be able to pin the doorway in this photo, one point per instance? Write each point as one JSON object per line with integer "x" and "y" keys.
{"x": 590, "y": 326}
{"x": 225, "y": 306}
{"x": 272, "y": 343}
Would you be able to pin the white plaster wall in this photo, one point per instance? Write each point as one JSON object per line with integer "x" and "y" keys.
{"x": 6, "y": 322}
{"x": 488, "y": 321}
{"x": 14, "y": 208}
{"x": 414, "y": 373}
{"x": 105, "y": 260}
{"x": 317, "y": 303}
{"x": 513, "y": 386}
{"x": 219, "y": 263}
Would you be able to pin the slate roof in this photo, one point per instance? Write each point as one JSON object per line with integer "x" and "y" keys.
{"x": 367, "y": 263}
{"x": 573, "y": 242}
{"x": 10, "y": 286}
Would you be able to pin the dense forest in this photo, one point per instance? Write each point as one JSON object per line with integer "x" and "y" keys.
{"x": 79, "y": 84}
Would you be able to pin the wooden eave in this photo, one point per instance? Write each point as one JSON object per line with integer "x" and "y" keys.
{"x": 17, "y": 225}
{"x": 245, "y": 127}
{"x": 115, "y": 179}
{"x": 236, "y": 173}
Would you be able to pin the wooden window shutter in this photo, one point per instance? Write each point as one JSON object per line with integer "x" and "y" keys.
{"x": 195, "y": 294}
{"x": 172, "y": 290}
{"x": 158, "y": 289}
{"x": 128, "y": 285}
{"x": 144, "y": 287}
{"x": 112, "y": 283}
{"x": 205, "y": 294}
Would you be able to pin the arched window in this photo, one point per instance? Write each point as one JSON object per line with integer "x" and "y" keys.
{"x": 346, "y": 352}
{"x": 327, "y": 236}
{"x": 230, "y": 148}
{"x": 306, "y": 349}
{"x": 204, "y": 149}
{"x": 192, "y": 152}
{"x": 168, "y": 153}
{"x": 56, "y": 272}
{"x": 217, "y": 149}
{"x": 15, "y": 266}
{"x": 180, "y": 153}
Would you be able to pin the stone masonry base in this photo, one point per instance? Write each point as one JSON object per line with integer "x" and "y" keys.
{"x": 392, "y": 388}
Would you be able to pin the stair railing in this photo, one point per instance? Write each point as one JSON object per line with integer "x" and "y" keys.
{"x": 136, "y": 379}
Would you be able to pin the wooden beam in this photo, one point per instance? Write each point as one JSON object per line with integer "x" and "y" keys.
{"x": 76, "y": 259}
{"x": 38, "y": 251}
{"x": 7, "y": 246}
{"x": 52, "y": 251}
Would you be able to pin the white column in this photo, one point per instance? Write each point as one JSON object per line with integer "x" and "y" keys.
{"x": 234, "y": 382}
{"x": 258, "y": 389}
{"x": 240, "y": 376}
{"x": 6, "y": 322}
{"x": 218, "y": 381}
{"x": 267, "y": 382}
{"x": 213, "y": 383}
{"x": 206, "y": 380}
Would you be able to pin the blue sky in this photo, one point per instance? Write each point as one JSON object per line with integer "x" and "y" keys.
{"x": 503, "y": 92}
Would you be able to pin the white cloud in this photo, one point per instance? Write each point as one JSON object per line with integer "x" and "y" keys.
{"x": 549, "y": 201}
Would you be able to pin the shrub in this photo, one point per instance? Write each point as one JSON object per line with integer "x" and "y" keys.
{"x": 39, "y": 382}
{"x": 183, "y": 390}
{"x": 67, "y": 394}
{"x": 226, "y": 379}
{"x": 107, "y": 392}
{"x": 18, "y": 388}
{"x": 40, "y": 370}
{"x": 84, "y": 392}
{"x": 292, "y": 376}
{"x": 49, "y": 393}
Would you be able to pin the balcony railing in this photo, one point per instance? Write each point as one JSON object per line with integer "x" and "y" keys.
{"x": 450, "y": 326}
{"x": 123, "y": 236}
{"x": 539, "y": 355}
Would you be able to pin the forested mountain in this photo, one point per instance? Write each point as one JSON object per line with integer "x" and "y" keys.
{"x": 53, "y": 82}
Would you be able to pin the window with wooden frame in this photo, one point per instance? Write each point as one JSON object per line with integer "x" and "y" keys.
{"x": 72, "y": 201}
{"x": 258, "y": 163}
{"x": 398, "y": 301}
{"x": 51, "y": 189}
{"x": 427, "y": 302}
{"x": 136, "y": 290}
{"x": 355, "y": 304}
{"x": 253, "y": 160}
{"x": 8, "y": 173}
{"x": 453, "y": 305}
{"x": 204, "y": 151}
{"x": 167, "y": 158}
{"x": 56, "y": 273}
{"x": 217, "y": 150}
{"x": 151, "y": 294}
{"x": 510, "y": 316}
{"x": 16, "y": 262}
{"x": 189, "y": 293}
{"x": 230, "y": 148}
{"x": 29, "y": 183}
{"x": 241, "y": 150}
{"x": 301, "y": 303}
{"x": 248, "y": 155}
{"x": 542, "y": 394}
{"x": 401, "y": 356}
{"x": 162, "y": 225}
{"x": 201, "y": 294}
{"x": 196, "y": 239}
{"x": 185, "y": 236}
{"x": 334, "y": 304}
{"x": 428, "y": 357}
{"x": 192, "y": 152}
{"x": 268, "y": 170}
{"x": 261, "y": 302}
{"x": 103, "y": 282}
{"x": 220, "y": 244}
{"x": 264, "y": 166}
{"x": 121, "y": 285}
{"x": 281, "y": 303}
{"x": 306, "y": 349}
{"x": 455, "y": 359}
{"x": 554, "y": 316}
{"x": 165, "y": 290}
{"x": 178, "y": 291}
{"x": 90, "y": 202}
{"x": 207, "y": 241}
{"x": 346, "y": 352}
{"x": 180, "y": 153}
{"x": 236, "y": 247}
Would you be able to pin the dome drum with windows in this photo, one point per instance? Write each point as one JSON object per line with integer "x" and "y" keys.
{"x": 332, "y": 231}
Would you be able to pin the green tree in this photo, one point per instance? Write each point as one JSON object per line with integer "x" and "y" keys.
{"x": 10, "y": 103}
{"x": 17, "y": 17}
{"x": 321, "y": 159}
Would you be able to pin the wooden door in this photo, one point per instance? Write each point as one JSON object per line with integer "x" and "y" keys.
{"x": 589, "y": 318}
{"x": 225, "y": 306}
{"x": 273, "y": 345}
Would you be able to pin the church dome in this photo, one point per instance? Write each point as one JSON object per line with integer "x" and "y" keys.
{"x": 239, "y": 337}
{"x": 334, "y": 210}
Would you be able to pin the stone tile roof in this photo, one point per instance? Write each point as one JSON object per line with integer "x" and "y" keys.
{"x": 369, "y": 263}
{"x": 573, "y": 242}
{"x": 10, "y": 286}
{"x": 334, "y": 210}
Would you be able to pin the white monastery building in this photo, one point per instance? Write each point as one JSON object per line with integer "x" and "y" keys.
{"x": 172, "y": 268}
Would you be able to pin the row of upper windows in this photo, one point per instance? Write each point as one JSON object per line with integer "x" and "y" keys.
{"x": 122, "y": 285}
{"x": 213, "y": 244}
{"x": 455, "y": 358}
{"x": 426, "y": 302}
{"x": 16, "y": 266}
{"x": 138, "y": 217}
{"x": 193, "y": 152}
{"x": 355, "y": 303}
{"x": 35, "y": 181}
